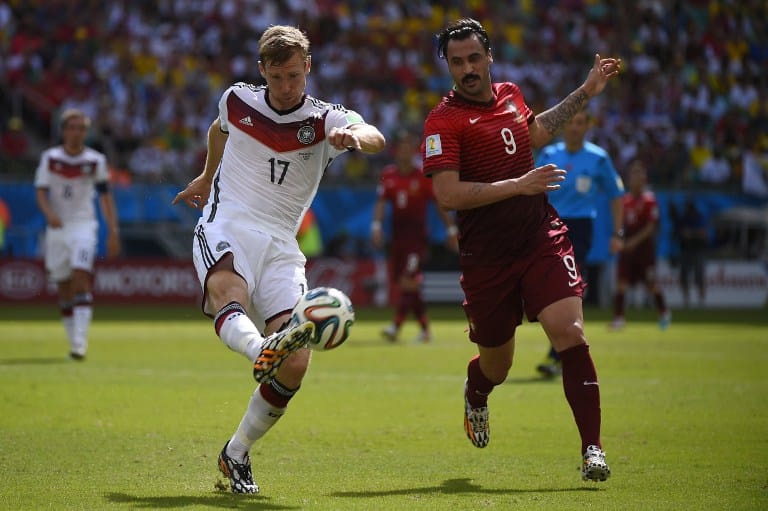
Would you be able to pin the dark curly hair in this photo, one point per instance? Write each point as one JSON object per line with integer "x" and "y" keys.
{"x": 461, "y": 29}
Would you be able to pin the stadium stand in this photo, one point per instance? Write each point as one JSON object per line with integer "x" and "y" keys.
{"x": 150, "y": 73}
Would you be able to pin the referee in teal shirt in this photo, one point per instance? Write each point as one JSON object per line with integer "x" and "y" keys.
{"x": 591, "y": 179}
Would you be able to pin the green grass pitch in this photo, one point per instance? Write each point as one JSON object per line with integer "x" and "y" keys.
{"x": 378, "y": 426}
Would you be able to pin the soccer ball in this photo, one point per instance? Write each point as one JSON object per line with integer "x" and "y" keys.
{"x": 332, "y": 313}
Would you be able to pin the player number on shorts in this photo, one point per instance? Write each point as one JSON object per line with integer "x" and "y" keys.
{"x": 509, "y": 140}
{"x": 274, "y": 168}
{"x": 573, "y": 270}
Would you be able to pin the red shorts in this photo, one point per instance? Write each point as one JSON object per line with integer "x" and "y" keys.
{"x": 496, "y": 296}
{"x": 637, "y": 267}
{"x": 406, "y": 262}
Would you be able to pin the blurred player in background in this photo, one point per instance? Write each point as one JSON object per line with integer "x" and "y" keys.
{"x": 591, "y": 177}
{"x": 637, "y": 260}
{"x": 513, "y": 249}
{"x": 65, "y": 182}
{"x": 409, "y": 193}
{"x": 5, "y": 222}
{"x": 267, "y": 151}
{"x": 693, "y": 238}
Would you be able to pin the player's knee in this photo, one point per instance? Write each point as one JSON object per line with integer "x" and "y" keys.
{"x": 497, "y": 369}
{"x": 570, "y": 336}
{"x": 294, "y": 367}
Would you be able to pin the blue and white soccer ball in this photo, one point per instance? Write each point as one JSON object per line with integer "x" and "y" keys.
{"x": 332, "y": 313}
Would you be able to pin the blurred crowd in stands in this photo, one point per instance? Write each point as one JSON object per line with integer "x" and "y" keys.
{"x": 693, "y": 101}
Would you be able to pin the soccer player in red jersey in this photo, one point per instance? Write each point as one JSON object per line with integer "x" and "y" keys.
{"x": 514, "y": 252}
{"x": 409, "y": 193}
{"x": 637, "y": 260}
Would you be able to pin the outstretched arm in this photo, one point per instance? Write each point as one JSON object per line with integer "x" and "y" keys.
{"x": 362, "y": 137}
{"x": 195, "y": 195}
{"x": 547, "y": 124}
{"x": 454, "y": 194}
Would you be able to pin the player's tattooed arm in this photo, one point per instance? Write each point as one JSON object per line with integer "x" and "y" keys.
{"x": 547, "y": 124}
{"x": 553, "y": 119}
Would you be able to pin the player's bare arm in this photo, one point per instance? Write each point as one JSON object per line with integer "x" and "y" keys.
{"x": 452, "y": 193}
{"x": 643, "y": 234}
{"x": 451, "y": 231}
{"x": 361, "y": 137}
{"x": 109, "y": 212}
{"x": 195, "y": 195}
{"x": 51, "y": 219}
{"x": 617, "y": 239}
{"x": 547, "y": 124}
{"x": 377, "y": 233}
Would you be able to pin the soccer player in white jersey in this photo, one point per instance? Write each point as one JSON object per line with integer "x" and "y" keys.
{"x": 65, "y": 181}
{"x": 267, "y": 151}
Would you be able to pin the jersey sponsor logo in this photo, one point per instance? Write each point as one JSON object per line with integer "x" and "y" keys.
{"x": 306, "y": 134}
{"x": 433, "y": 146}
{"x": 246, "y": 120}
{"x": 473, "y": 120}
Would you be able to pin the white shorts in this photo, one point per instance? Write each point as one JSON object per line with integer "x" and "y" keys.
{"x": 272, "y": 268}
{"x": 72, "y": 247}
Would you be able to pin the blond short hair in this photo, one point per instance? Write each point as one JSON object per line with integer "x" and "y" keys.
{"x": 280, "y": 42}
{"x": 73, "y": 113}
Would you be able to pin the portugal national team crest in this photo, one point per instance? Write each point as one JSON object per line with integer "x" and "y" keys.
{"x": 512, "y": 108}
{"x": 306, "y": 134}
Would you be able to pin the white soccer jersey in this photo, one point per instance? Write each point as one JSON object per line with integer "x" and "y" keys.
{"x": 272, "y": 162}
{"x": 70, "y": 182}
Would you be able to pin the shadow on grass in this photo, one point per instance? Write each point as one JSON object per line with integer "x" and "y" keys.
{"x": 454, "y": 487}
{"x": 29, "y": 361}
{"x": 221, "y": 500}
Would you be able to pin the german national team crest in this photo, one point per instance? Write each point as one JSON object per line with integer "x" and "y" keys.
{"x": 306, "y": 134}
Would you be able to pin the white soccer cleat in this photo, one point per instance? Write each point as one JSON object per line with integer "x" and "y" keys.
{"x": 665, "y": 320}
{"x": 476, "y": 423}
{"x": 594, "y": 467}
{"x": 424, "y": 337}
{"x": 390, "y": 333}
{"x": 617, "y": 324}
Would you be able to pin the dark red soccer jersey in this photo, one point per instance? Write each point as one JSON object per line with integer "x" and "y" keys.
{"x": 639, "y": 212}
{"x": 486, "y": 143}
{"x": 409, "y": 195}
